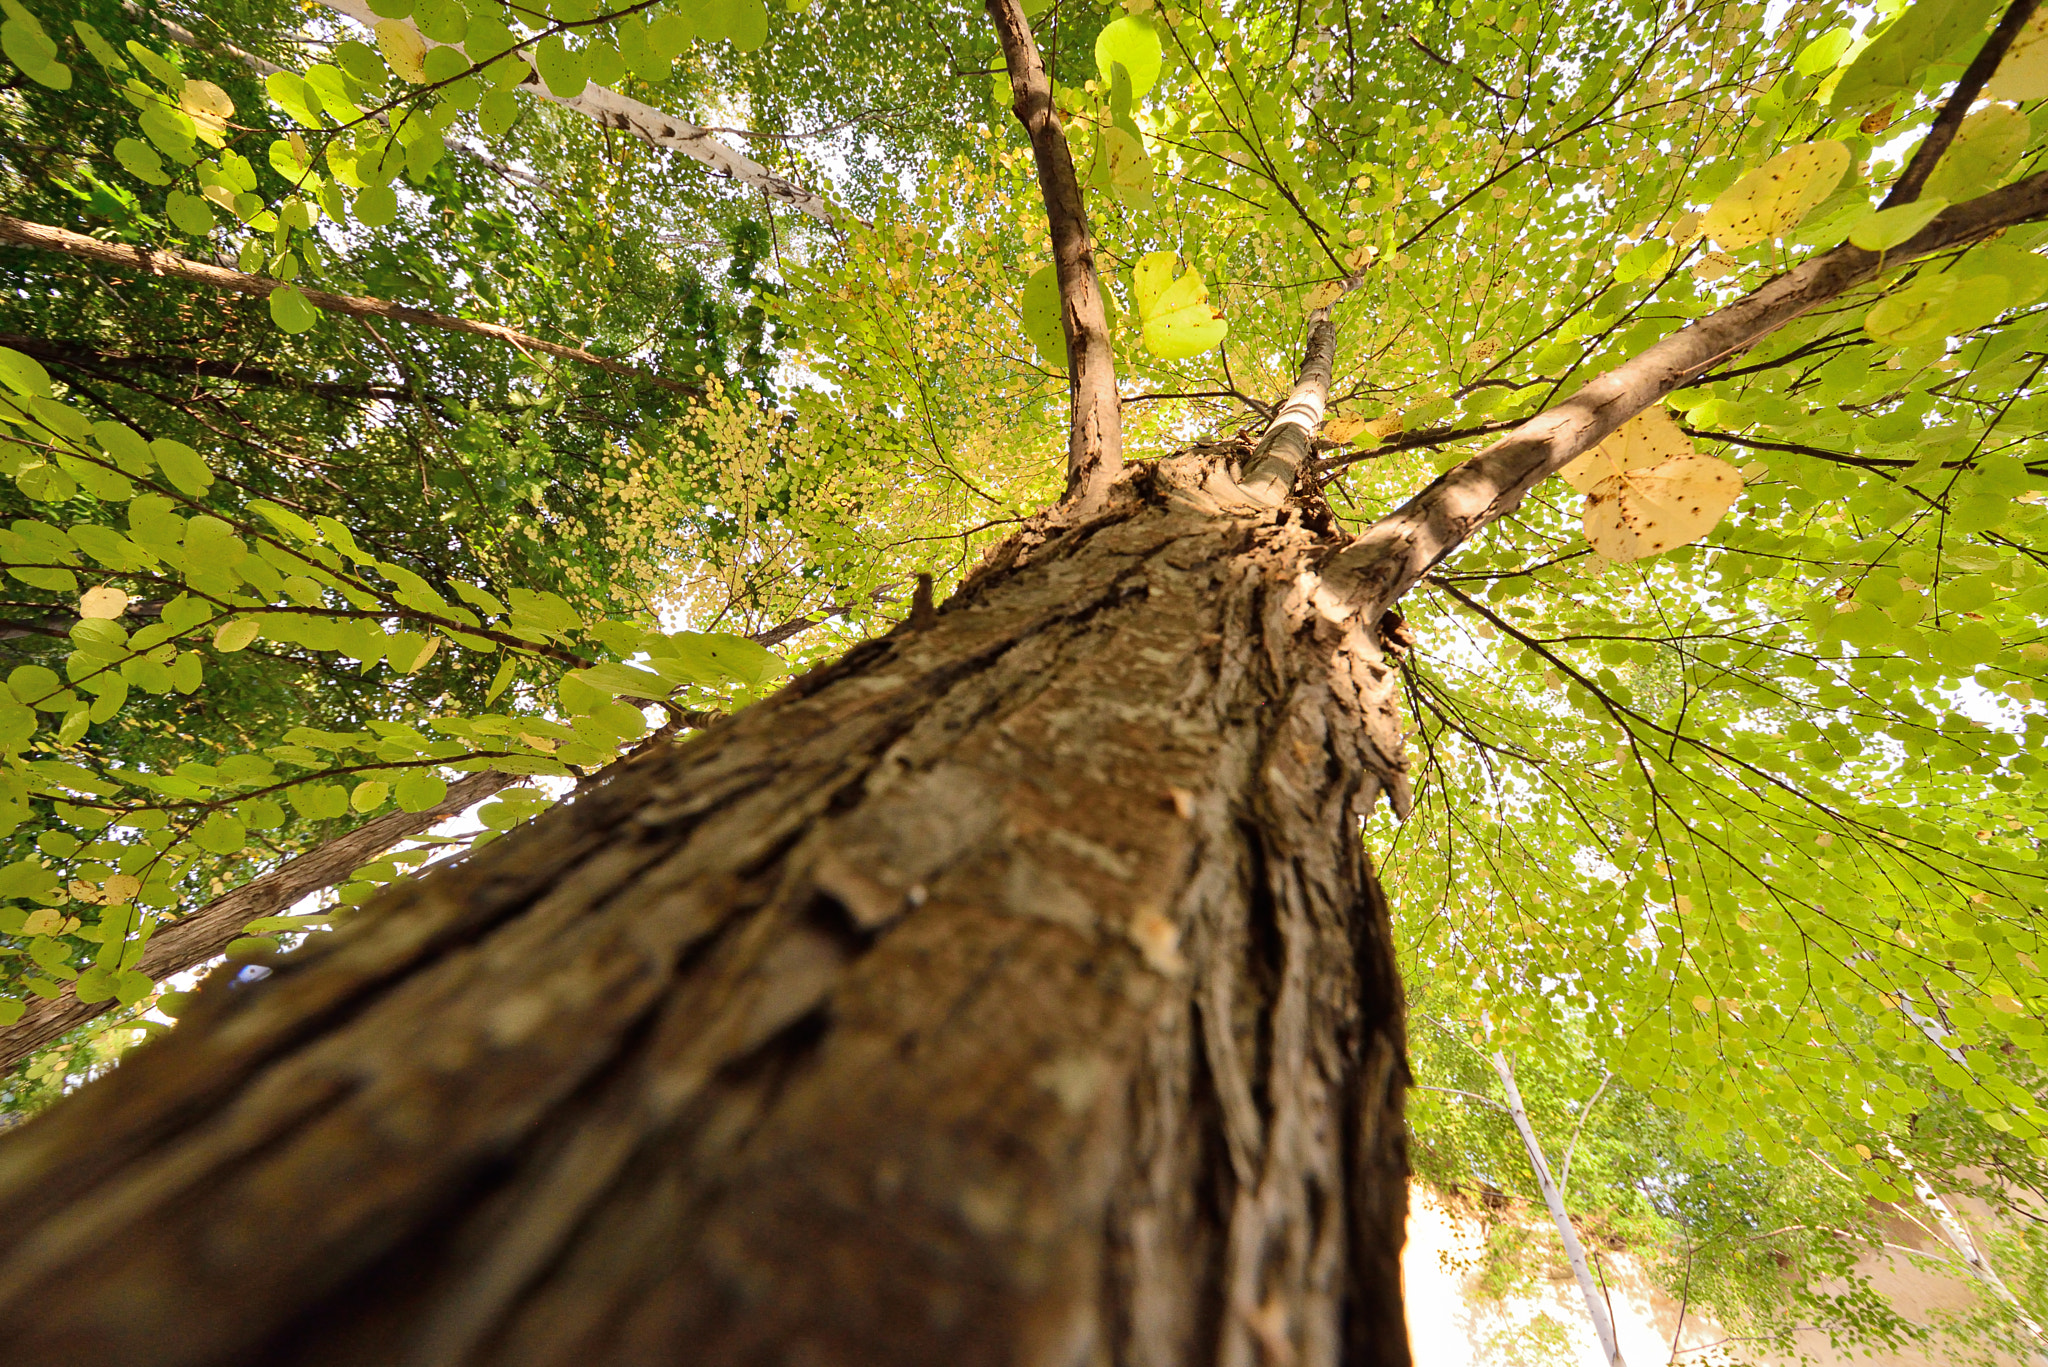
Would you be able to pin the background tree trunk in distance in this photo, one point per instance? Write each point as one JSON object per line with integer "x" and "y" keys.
{"x": 1015, "y": 990}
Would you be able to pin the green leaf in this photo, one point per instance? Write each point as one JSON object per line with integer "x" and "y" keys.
{"x": 1896, "y": 57}
{"x": 369, "y": 795}
{"x": 295, "y": 97}
{"x": 1887, "y": 228}
{"x": 748, "y": 26}
{"x": 235, "y": 634}
{"x": 29, "y": 48}
{"x": 141, "y": 161}
{"x": 375, "y": 207}
{"x": 290, "y": 311}
{"x": 669, "y": 34}
{"x": 419, "y": 790}
{"x": 319, "y": 801}
{"x": 17, "y": 723}
{"x": 1174, "y": 314}
{"x": 444, "y": 64}
{"x": 189, "y": 213}
{"x": 560, "y": 67}
{"x": 1131, "y": 42}
{"x": 1986, "y": 147}
{"x": 102, "y": 51}
{"x": 24, "y": 374}
{"x": 444, "y": 21}
{"x": 221, "y": 834}
{"x": 182, "y": 466}
{"x": 1041, "y": 309}
{"x": 496, "y": 112}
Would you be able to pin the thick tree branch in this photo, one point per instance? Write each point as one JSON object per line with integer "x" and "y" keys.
{"x": 1943, "y": 130}
{"x": 46, "y": 238}
{"x": 192, "y": 940}
{"x": 1095, "y": 438}
{"x": 1283, "y": 452}
{"x": 657, "y": 129}
{"x": 1386, "y": 560}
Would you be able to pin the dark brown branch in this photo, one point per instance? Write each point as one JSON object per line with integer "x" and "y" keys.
{"x": 1385, "y": 560}
{"x": 189, "y": 942}
{"x": 1095, "y": 439}
{"x": 1274, "y": 465}
{"x": 1943, "y": 130}
{"x": 46, "y": 238}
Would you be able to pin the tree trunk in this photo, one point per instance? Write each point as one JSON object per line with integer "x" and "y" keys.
{"x": 1016, "y": 990}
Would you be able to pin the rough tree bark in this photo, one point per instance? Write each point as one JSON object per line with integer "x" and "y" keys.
{"x": 1016, "y": 990}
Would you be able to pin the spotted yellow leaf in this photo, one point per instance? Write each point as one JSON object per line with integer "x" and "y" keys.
{"x": 403, "y": 47}
{"x": 209, "y": 108}
{"x": 1174, "y": 314}
{"x": 1771, "y": 200}
{"x": 1650, "y": 437}
{"x": 1343, "y": 427}
{"x": 2023, "y": 75}
{"x": 1656, "y": 508}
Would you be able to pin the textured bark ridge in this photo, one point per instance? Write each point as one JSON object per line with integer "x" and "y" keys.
{"x": 1014, "y": 991}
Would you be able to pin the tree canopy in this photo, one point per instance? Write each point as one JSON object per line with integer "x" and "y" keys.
{"x": 1726, "y": 742}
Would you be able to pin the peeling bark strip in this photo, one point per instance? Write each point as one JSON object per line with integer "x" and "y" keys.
{"x": 192, "y": 940}
{"x": 1095, "y": 433}
{"x": 1386, "y": 560}
{"x": 47, "y": 238}
{"x": 1016, "y": 990}
{"x": 655, "y": 128}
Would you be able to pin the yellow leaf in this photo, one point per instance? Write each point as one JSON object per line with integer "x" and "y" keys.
{"x": 2023, "y": 75}
{"x": 1646, "y": 439}
{"x": 1713, "y": 266}
{"x": 1322, "y": 296}
{"x": 1130, "y": 170}
{"x": 234, "y": 635}
{"x": 426, "y": 653}
{"x": 1771, "y": 200}
{"x": 1343, "y": 427}
{"x": 403, "y": 47}
{"x": 103, "y": 603}
{"x": 209, "y": 107}
{"x": 1174, "y": 314}
{"x": 1657, "y": 508}
{"x": 44, "y": 921}
{"x": 122, "y": 887}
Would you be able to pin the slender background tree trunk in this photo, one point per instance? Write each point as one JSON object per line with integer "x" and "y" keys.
{"x": 1016, "y": 990}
